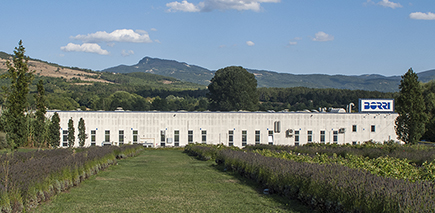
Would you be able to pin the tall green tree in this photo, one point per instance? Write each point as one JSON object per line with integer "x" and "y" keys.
{"x": 82, "y": 132}
{"x": 232, "y": 89}
{"x": 71, "y": 137}
{"x": 16, "y": 102}
{"x": 54, "y": 131}
{"x": 39, "y": 123}
{"x": 410, "y": 124}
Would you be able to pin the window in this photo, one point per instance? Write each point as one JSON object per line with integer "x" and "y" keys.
{"x": 335, "y": 137}
{"x": 276, "y": 127}
{"x": 176, "y": 138}
{"x": 270, "y": 138}
{"x": 204, "y": 136}
{"x": 134, "y": 136}
{"x": 244, "y": 137}
{"x": 230, "y": 138}
{"x": 93, "y": 137}
{"x": 65, "y": 138}
{"x": 354, "y": 128}
{"x": 257, "y": 136}
{"x": 354, "y": 142}
{"x": 121, "y": 137}
{"x": 310, "y": 136}
{"x": 373, "y": 128}
{"x": 162, "y": 138}
{"x": 190, "y": 136}
{"x": 107, "y": 136}
{"x": 296, "y": 138}
{"x": 322, "y": 136}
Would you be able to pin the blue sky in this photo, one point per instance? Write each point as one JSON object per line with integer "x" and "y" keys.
{"x": 350, "y": 37}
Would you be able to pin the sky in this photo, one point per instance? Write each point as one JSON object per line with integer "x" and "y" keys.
{"x": 350, "y": 37}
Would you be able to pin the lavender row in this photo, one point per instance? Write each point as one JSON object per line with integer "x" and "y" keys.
{"x": 26, "y": 179}
{"x": 332, "y": 187}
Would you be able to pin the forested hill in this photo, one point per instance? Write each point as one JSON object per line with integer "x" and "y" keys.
{"x": 200, "y": 75}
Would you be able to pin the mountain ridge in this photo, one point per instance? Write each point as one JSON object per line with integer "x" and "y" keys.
{"x": 265, "y": 78}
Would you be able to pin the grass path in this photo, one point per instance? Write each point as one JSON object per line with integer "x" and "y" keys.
{"x": 167, "y": 181}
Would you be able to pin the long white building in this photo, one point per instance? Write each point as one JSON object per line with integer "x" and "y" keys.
{"x": 239, "y": 129}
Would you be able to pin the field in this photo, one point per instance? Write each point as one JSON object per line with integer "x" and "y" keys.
{"x": 168, "y": 181}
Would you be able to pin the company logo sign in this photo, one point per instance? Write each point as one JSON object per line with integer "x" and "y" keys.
{"x": 376, "y": 105}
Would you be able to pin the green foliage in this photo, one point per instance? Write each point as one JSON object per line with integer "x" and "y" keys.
{"x": 82, "y": 132}
{"x": 39, "y": 123}
{"x": 410, "y": 124}
{"x": 54, "y": 131}
{"x": 233, "y": 89}
{"x": 71, "y": 137}
{"x": 16, "y": 101}
{"x": 301, "y": 98}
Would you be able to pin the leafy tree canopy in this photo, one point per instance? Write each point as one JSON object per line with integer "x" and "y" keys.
{"x": 232, "y": 89}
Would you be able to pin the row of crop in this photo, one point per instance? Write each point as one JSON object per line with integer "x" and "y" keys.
{"x": 332, "y": 187}
{"x": 415, "y": 154}
{"x": 205, "y": 151}
{"x": 26, "y": 179}
{"x": 382, "y": 166}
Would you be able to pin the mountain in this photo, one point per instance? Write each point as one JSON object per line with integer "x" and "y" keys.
{"x": 170, "y": 68}
{"x": 199, "y": 75}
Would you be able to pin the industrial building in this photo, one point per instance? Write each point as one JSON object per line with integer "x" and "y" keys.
{"x": 162, "y": 129}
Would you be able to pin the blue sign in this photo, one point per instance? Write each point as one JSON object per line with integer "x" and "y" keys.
{"x": 376, "y": 105}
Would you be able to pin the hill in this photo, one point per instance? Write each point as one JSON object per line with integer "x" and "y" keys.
{"x": 78, "y": 76}
{"x": 196, "y": 74}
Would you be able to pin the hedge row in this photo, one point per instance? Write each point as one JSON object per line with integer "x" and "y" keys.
{"x": 417, "y": 154}
{"x": 26, "y": 179}
{"x": 332, "y": 187}
{"x": 384, "y": 166}
{"x": 326, "y": 187}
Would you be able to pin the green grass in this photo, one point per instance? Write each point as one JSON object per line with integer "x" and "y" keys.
{"x": 168, "y": 181}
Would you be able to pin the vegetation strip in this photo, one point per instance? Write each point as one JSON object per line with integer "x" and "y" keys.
{"x": 327, "y": 187}
{"x": 27, "y": 179}
{"x": 168, "y": 181}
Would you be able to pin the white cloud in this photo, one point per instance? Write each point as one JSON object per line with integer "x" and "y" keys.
{"x": 127, "y": 52}
{"x": 422, "y": 16}
{"x": 86, "y": 47}
{"x": 250, "y": 43}
{"x": 291, "y": 43}
{"x": 123, "y": 35}
{"x": 209, "y": 5}
{"x": 183, "y": 6}
{"x": 322, "y": 36}
{"x": 157, "y": 41}
{"x": 387, "y": 3}
{"x": 153, "y": 29}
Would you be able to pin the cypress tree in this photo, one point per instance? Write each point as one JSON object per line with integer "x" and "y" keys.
{"x": 71, "y": 136}
{"x": 39, "y": 124}
{"x": 82, "y": 132}
{"x": 16, "y": 101}
{"x": 54, "y": 131}
{"x": 410, "y": 124}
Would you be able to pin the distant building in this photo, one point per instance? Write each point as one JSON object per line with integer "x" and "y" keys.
{"x": 159, "y": 129}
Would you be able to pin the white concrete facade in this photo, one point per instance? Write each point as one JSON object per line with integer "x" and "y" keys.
{"x": 244, "y": 128}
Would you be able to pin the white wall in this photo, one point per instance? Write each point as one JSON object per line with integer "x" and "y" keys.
{"x": 218, "y": 124}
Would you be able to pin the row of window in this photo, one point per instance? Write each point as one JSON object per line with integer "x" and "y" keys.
{"x": 106, "y": 137}
{"x": 204, "y": 136}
